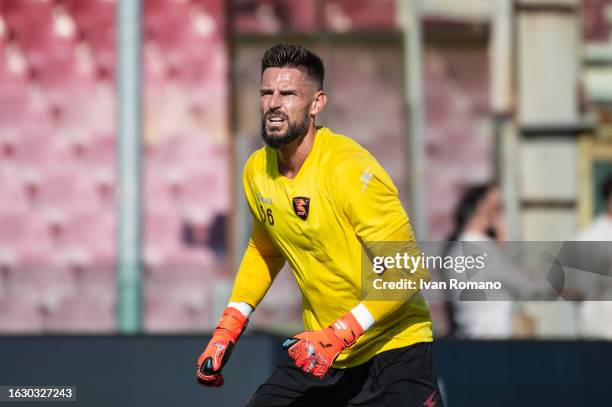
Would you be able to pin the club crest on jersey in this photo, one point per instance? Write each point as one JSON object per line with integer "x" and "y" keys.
{"x": 301, "y": 205}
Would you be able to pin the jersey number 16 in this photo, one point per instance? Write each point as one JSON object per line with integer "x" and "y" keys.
{"x": 266, "y": 214}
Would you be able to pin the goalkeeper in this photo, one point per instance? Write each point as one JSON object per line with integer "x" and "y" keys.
{"x": 315, "y": 196}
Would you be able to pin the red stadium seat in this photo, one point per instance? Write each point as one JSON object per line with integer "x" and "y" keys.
{"x": 103, "y": 181}
{"x": 157, "y": 197}
{"x": 41, "y": 149}
{"x": 162, "y": 230}
{"x": 185, "y": 170}
{"x": 82, "y": 313}
{"x": 95, "y": 21}
{"x": 48, "y": 56}
{"x": 21, "y": 231}
{"x": 31, "y": 23}
{"x": 99, "y": 281}
{"x": 179, "y": 283}
{"x": 166, "y": 314}
{"x": 101, "y": 151}
{"x": 14, "y": 99}
{"x": 206, "y": 192}
{"x": 67, "y": 190}
{"x": 90, "y": 232}
{"x": 355, "y": 15}
{"x": 12, "y": 193}
{"x": 596, "y": 27}
{"x": 8, "y": 262}
{"x": 301, "y": 15}
{"x": 181, "y": 149}
{"x": 42, "y": 279}
{"x": 18, "y": 315}
{"x": 195, "y": 266}
{"x": 272, "y": 16}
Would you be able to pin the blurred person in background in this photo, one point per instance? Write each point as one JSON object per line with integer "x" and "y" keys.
{"x": 315, "y": 196}
{"x": 479, "y": 218}
{"x": 207, "y": 234}
{"x": 595, "y": 317}
{"x": 601, "y": 228}
{"x": 479, "y": 215}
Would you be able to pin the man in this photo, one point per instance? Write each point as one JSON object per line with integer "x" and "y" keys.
{"x": 479, "y": 219}
{"x": 601, "y": 228}
{"x": 595, "y": 317}
{"x": 315, "y": 196}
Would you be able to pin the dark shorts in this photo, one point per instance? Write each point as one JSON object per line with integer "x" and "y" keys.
{"x": 398, "y": 377}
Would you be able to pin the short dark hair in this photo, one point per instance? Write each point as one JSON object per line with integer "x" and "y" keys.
{"x": 606, "y": 190}
{"x": 294, "y": 56}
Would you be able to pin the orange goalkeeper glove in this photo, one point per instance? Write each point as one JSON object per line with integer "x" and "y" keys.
{"x": 315, "y": 351}
{"x": 220, "y": 347}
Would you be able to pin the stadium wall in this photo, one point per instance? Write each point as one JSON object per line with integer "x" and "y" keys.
{"x": 159, "y": 370}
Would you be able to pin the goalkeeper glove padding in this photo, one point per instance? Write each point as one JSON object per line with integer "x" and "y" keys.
{"x": 220, "y": 347}
{"x": 315, "y": 351}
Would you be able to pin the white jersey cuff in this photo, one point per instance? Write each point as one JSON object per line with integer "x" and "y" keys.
{"x": 244, "y": 308}
{"x": 363, "y": 316}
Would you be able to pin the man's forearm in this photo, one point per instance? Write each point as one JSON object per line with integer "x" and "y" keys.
{"x": 255, "y": 276}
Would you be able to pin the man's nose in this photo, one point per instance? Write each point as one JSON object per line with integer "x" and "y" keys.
{"x": 275, "y": 101}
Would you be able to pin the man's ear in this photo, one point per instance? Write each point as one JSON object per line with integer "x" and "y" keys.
{"x": 320, "y": 99}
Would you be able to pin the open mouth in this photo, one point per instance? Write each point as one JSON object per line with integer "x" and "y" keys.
{"x": 275, "y": 119}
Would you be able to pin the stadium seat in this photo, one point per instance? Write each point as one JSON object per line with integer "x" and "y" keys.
{"x": 355, "y": 15}
{"x": 160, "y": 16}
{"x": 205, "y": 191}
{"x": 42, "y": 280}
{"x": 272, "y": 16}
{"x": 301, "y": 15}
{"x": 21, "y": 231}
{"x": 181, "y": 265}
{"x": 42, "y": 150}
{"x": 99, "y": 281}
{"x": 8, "y": 263}
{"x": 81, "y": 313}
{"x": 18, "y": 315}
{"x": 596, "y": 27}
{"x": 182, "y": 149}
{"x": 103, "y": 180}
{"x": 157, "y": 196}
{"x": 14, "y": 101}
{"x": 100, "y": 151}
{"x": 95, "y": 20}
{"x": 90, "y": 231}
{"x": 68, "y": 191}
{"x": 12, "y": 193}
{"x": 180, "y": 283}
{"x": 166, "y": 314}
{"x": 93, "y": 273}
{"x": 162, "y": 230}
{"x": 31, "y": 23}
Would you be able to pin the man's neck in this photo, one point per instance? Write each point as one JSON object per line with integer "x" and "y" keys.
{"x": 292, "y": 156}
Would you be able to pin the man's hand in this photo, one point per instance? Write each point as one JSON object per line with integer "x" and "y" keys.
{"x": 220, "y": 347}
{"x": 315, "y": 351}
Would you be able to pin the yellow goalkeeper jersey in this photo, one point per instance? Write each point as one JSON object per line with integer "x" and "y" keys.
{"x": 341, "y": 196}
